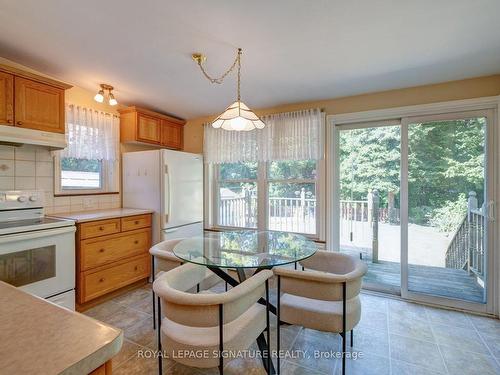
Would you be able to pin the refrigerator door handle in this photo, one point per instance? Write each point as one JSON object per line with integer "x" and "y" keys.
{"x": 170, "y": 230}
{"x": 166, "y": 201}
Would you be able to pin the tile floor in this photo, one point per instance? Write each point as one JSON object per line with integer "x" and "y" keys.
{"x": 393, "y": 337}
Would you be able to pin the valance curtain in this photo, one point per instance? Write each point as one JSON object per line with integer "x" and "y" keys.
{"x": 91, "y": 134}
{"x": 287, "y": 136}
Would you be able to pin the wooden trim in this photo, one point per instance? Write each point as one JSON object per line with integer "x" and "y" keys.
{"x": 34, "y": 77}
{"x": 81, "y": 194}
{"x": 148, "y": 112}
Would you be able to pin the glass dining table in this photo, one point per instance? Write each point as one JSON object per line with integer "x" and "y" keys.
{"x": 245, "y": 250}
{"x": 242, "y": 250}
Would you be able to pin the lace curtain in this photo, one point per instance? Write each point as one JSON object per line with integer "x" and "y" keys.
{"x": 287, "y": 136}
{"x": 91, "y": 134}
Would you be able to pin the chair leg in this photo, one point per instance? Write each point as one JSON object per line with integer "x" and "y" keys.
{"x": 278, "y": 323}
{"x": 343, "y": 325}
{"x": 152, "y": 280}
{"x": 160, "y": 352}
{"x": 352, "y": 337}
{"x": 221, "y": 339}
{"x": 154, "y": 310}
{"x": 268, "y": 327}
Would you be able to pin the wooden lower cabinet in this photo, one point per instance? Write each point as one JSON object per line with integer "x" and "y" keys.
{"x": 105, "y": 369}
{"x": 109, "y": 262}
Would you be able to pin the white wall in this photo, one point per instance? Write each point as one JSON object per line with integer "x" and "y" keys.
{"x": 32, "y": 168}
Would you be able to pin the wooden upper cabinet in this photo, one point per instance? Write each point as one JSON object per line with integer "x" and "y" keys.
{"x": 171, "y": 135}
{"x": 39, "y": 106}
{"x": 28, "y": 100}
{"x": 139, "y": 125}
{"x": 6, "y": 99}
{"x": 148, "y": 129}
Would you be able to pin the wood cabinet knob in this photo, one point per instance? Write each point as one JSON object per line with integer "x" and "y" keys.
{"x": 136, "y": 242}
{"x": 19, "y": 123}
{"x": 101, "y": 250}
{"x": 101, "y": 228}
{"x": 135, "y": 268}
{"x": 101, "y": 279}
{"x": 136, "y": 222}
{"x": 9, "y": 121}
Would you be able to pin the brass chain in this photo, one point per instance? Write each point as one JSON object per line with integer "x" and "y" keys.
{"x": 237, "y": 61}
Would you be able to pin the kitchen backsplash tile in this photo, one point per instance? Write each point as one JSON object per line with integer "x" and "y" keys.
{"x": 32, "y": 167}
{"x": 24, "y": 183}
{"x": 7, "y": 167}
{"x": 25, "y": 168}
{"x": 25, "y": 152}
{"x": 7, "y": 183}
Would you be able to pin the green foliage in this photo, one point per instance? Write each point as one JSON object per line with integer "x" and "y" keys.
{"x": 448, "y": 217}
{"x": 238, "y": 171}
{"x": 280, "y": 170}
{"x": 369, "y": 159}
{"x": 445, "y": 161}
{"x": 81, "y": 165}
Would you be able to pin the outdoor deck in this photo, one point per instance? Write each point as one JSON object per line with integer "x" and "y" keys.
{"x": 440, "y": 281}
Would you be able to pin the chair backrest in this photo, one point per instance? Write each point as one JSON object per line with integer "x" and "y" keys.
{"x": 324, "y": 274}
{"x": 167, "y": 245}
{"x": 202, "y": 310}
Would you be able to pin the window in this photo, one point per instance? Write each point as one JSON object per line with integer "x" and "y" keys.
{"x": 292, "y": 196}
{"x": 237, "y": 195}
{"x": 81, "y": 174}
{"x": 267, "y": 179}
{"x": 90, "y": 162}
{"x": 286, "y": 189}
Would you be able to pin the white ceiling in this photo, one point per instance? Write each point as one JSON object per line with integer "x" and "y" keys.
{"x": 292, "y": 50}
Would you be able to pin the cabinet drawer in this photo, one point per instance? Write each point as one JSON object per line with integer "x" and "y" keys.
{"x": 136, "y": 222}
{"x": 103, "y": 250}
{"x": 99, "y": 228}
{"x": 96, "y": 284}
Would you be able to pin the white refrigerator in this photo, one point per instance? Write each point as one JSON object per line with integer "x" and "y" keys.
{"x": 171, "y": 184}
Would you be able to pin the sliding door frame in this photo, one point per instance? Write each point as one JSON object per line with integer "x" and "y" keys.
{"x": 403, "y": 113}
{"x": 489, "y": 196}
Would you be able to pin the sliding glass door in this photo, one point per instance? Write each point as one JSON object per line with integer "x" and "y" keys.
{"x": 413, "y": 199}
{"x": 369, "y": 186}
{"x": 446, "y": 196}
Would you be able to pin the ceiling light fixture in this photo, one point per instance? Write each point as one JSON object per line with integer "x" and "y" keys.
{"x": 99, "y": 97}
{"x": 237, "y": 116}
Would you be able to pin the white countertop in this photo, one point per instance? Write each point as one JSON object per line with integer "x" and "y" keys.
{"x": 83, "y": 216}
{"x": 39, "y": 337}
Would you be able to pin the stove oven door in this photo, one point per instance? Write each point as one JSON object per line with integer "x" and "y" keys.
{"x": 39, "y": 262}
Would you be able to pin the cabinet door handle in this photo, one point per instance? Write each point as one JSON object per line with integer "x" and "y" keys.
{"x": 136, "y": 222}
{"x": 136, "y": 242}
{"x": 101, "y": 250}
{"x": 19, "y": 123}
{"x": 101, "y": 228}
{"x": 9, "y": 121}
{"x": 101, "y": 279}
{"x": 135, "y": 268}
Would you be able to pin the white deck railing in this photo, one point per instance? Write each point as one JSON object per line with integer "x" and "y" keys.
{"x": 286, "y": 214}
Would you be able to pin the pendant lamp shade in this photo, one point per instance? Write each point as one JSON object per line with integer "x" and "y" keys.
{"x": 238, "y": 117}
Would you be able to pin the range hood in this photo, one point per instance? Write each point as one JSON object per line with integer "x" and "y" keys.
{"x": 15, "y": 136}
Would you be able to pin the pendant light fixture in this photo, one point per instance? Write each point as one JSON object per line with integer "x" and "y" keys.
{"x": 237, "y": 116}
{"x": 99, "y": 97}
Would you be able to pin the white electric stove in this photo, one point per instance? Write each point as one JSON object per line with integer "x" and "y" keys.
{"x": 37, "y": 253}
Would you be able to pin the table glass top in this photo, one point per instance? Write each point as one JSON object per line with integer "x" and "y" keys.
{"x": 245, "y": 249}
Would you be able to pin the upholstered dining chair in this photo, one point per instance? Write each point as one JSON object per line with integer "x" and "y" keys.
{"x": 209, "y": 323}
{"x": 163, "y": 259}
{"x": 323, "y": 296}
